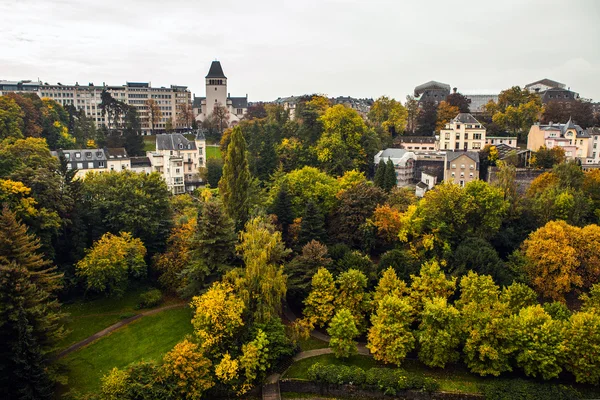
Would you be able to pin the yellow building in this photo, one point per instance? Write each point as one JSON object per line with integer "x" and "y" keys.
{"x": 462, "y": 133}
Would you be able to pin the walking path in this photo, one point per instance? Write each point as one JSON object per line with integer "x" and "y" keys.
{"x": 112, "y": 328}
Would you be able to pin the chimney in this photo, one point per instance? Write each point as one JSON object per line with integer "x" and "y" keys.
{"x": 228, "y": 94}
{"x": 454, "y": 90}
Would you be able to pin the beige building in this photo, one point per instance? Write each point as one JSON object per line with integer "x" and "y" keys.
{"x": 117, "y": 159}
{"x": 171, "y": 101}
{"x": 461, "y": 167}
{"x": 462, "y": 133}
{"x": 574, "y": 140}
{"x": 510, "y": 141}
{"x": 216, "y": 94}
{"x": 417, "y": 143}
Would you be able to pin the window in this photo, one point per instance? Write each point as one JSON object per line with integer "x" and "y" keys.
{"x": 462, "y": 183}
{"x": 471, "y": 166}
{"x": 100, "y": 164}
{"x": 457, "y": 126}
{"x": 176, "y": 170}
{"x": 477, "y": 136}
{"x": 466, "y": 136}
{"x": 77, "y": 155}
{"x": 68, "y": 155}
{"x": 447, "y": 136}
{"x": 453, "y": 174}
{"x": 79, "y": 165}
{"x": 454, "y": 166}
{"x": 90, "y": 165}
{"x": 462, "y": 166}
{"x": 458, "y": 136}
{"x": 471, "y": 175}
{"x": 123, "y": 166}
{"x": 462, "y": 174}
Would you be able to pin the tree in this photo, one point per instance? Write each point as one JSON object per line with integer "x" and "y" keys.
{"x": 439, "y": 333}
{"x": 427, "y": 119}
{"x": 579, "y": 111}
{"x": 213, "y": 248}
{"x": 340, "y": 147}
{"x": 489, "y": 208}
{"x": 379, "y": 178}
{"x": 11, "y": 119}
{"x": 256, "y": 111}
{"x": 30, "y": 319}
{"x": 389, "y": 114}
{"x": 389, "y": 284}
{"x": 235, "y": 182}
{"x": 538, "y": 341}
{"x": 312, "y": 225}
{"x": 185, "y": 116}
{"x": 282, "y": 208}
{"x": 405, "y": 263}
{"x": 445, "y": 113}
{"x": 430, "y": 283}
{"x": 177, "y": 256}
{"x": 412, "y": 111}
{"x": 132, "y": 131}
{"x": 111, "y": 261}
{"x": 548, "y": 158}
{"x": 187, "y": 371}
{"x": 153, "y": 113}
{"x": 302, "y": 268}
{"x": 518, "y": 296}
{"x": 519, "y": 118}
{"x": 213, "y": 171}
{"x": 389, "y": 179}
{"x": 342, "y": 330}
{"x": 581, "y": 347}
{"x": 390, "y": 338}
{"x": 219, "y": 117}
{"x": 351, "y": 295}
{"x": 458, "y": 100}
{"x": 254, "y": 360}
{"x": 112, "y": 204}
{"x": 320, "y": 301}
{"x": 217, "y": 317}
{"x": 478, "y": 255}
{"x": 31, "y": 113}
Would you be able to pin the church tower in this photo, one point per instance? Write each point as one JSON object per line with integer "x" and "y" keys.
{"x": 216, "y": 88}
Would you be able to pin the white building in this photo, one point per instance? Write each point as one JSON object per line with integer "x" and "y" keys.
{"x": 404, "y": 164}
{"x": 428, "y": 181}
{"x": 510, "y": 141}
{"x": 217, "y": 94}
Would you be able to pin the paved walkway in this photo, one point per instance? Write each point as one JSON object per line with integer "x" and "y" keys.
{"x": 112, "y": 328}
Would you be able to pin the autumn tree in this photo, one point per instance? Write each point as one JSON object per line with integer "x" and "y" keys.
{"x": 30, "y": 319}
{"x": 430, "y": 283}
{"x": 459, "y": 100}
{"x": 389, "y": 284}
{"x": 187, "y": 371}
{"x": 153, "y": 113}
{"x": 547, "y": 158}
{"x": 390, "y": 339}
{"x": 176, "y": 257}
{"x": 389, "y": 114}
{"x": 319, "y": 305}
{"x": 235, "y": 182}
{"x": 111, "y": 262}
{"x": 581, "y": 346}
{"x": 185, "y": 116}
{"x": 342, "y": 330}
{"x": 351, "y": 295}
{"x": 439, "y": 333}
{"x": 445, "y": 113}
{"x": 516, "y": 110}
{"x": 412, "y": 112}
{"x": 11, "y": 118}
{"x": 304, "y": 266}
{"x": 31, "y": 110}
{"x": 219, "y": 117}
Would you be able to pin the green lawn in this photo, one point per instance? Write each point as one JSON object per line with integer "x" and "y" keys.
{"x": 148, "y": 338}
{"x": 311, "y": 344}
{"x": 88, "y": 316}
{"x": 213, "y": 152}
{"x": 150, "y": 143}
{"x": 299, "y": 369}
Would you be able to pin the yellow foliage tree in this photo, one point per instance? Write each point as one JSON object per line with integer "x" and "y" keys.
{"x": 189, "y": 370}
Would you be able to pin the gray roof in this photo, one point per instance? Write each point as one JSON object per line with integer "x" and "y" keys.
{"x": 173, "y": 141}
{"x": 422, "y": 185}
{"x": 197, "y": 101}
{"x": 465, "y": 118}
{"x": 477, "y": 102}
{"x": 558, "y": 95}
{"x": 393, "y": 153}
{"x": 416, "y": 139}
{"x": 140, "y": 162}
{"x": 216, "y": 71}
{"x": 453, "y": 155}
{"x": 547, "y": 82}
{"x": 431, "y": 85}
{"x": 84, "y": 154}
{"x": 239, "y": 102}
{"x": 118, "y": 152}
{"x": 201, "y": 134}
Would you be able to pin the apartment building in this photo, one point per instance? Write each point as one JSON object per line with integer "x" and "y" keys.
{"x": 417, "y": 143}
{"x": 574, "y": 140}
{"x": 464, "y": 132}
{"x": 172, "y": 101}
{"x": 510, "y": 141}
{"x": 404, "y": 164}
{"x": 461, "y": 167}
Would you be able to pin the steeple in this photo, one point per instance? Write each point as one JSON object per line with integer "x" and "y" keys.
{"x": 215, "y": 71}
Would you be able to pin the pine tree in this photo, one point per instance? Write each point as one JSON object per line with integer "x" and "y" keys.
{"x": 235, "y": 182}
{"x": 380, "y": 174}
{"x": 282, "y": 207}
{"x": 312, "y": 226}
{"x": 390, "y": 176}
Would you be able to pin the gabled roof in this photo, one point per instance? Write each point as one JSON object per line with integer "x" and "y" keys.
{"x": 173, "y": 141}
{"x": 422, "y": 185}
{"x": 197, "y": 102}
{"x": 465, "y": 118}
{"x": 117, "y": 152}
{"x": 239, "y": 102}
{"x": 216, "y": 71}
{"x": 140, "y": 162}
{"x": 453, "y": 155}
{"x": 547, "y": 82}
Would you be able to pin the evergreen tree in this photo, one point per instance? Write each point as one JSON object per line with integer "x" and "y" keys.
{"x": 312, "y": 226}
{"x": 380, "y": 174}
{"x": 282, "y": 207}
{"x": 30, "y": 319}
{"x": 214, "y": 247}
{"x": 389, "y": 180}
{"x": 134, "y": 142}
{"x": 235, "y": 182}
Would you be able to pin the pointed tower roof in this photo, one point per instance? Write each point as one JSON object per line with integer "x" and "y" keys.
{"x": 216, "y": 71}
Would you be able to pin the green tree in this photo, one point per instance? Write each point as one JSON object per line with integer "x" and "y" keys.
{"x": 342, "y": 330}
{"x": 110, "y": 263}
{"x": 389, "y": 284}
{"x": 132, "y": 131}
{"x": 581, "y": 347}
{"x": 11, "y": 119}
{"x": 319, "y": 305}
{"x": 538, "y": 341}
{"x": 430, "y": 283}
{"x": 379, "y": 178}
{"x": 235, "y": 183}
{"x": 351, "y": 295}
{"x": 518, "y": 296}
{"x": 303, "y": 267}
{"x": 547, "y": 158}
{"x": 282, "y": 208}
{"x": 213, "y": 171}
{"x": 389, "y": 114}
{"x": 390, "y": 338}
{"x": 478, "y": 255}
{"x": 312, "y": 226}
{"x": 389, "y": 180}
{"x": 30, "y": 105}
{"x": 439, "y": 333}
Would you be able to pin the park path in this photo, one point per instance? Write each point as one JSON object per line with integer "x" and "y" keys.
{"x": 113, "y": 328}
{"x": 270, "y": 389}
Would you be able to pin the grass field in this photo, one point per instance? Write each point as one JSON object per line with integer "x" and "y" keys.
{"x": 148, "y": 338}
{"x": 311, "y": 344}
{"x": 88, "y": 316}
{"x": 213, "y": 152}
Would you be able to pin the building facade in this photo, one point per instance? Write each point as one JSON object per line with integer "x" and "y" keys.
{"x": 218, "y": 96}
{"x": 461, "y": 167}
{"x": 464, "y": 132}
{"x": 404, "y": 164}
{"x": 496, "y": 140}
{"x": 417, "y": 143}
{"x": 570, "y": 137}
{"x": 172, "y": 101}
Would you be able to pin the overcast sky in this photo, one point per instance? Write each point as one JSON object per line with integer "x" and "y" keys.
{"x": 270, "y": 49}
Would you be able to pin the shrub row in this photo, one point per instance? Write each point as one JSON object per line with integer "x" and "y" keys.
{"x": 519, "y": 389}
{"x": 388, "y": 380}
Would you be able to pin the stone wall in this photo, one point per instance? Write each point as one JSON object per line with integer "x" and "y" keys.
{"x": 298, "y": 386}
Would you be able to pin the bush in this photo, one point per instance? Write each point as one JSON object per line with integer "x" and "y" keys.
{"x": 151, "y": 298}
{"x": 519, "y": 389}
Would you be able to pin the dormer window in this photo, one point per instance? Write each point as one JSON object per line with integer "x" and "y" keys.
{"x": 88, "y": 154}
{"x": 180, "y": 146}
{"x": 77, "y": 155}
{"x": 99, "y": 154}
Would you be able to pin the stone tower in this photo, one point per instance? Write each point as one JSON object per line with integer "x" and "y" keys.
{"x": 216, "y": 88}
